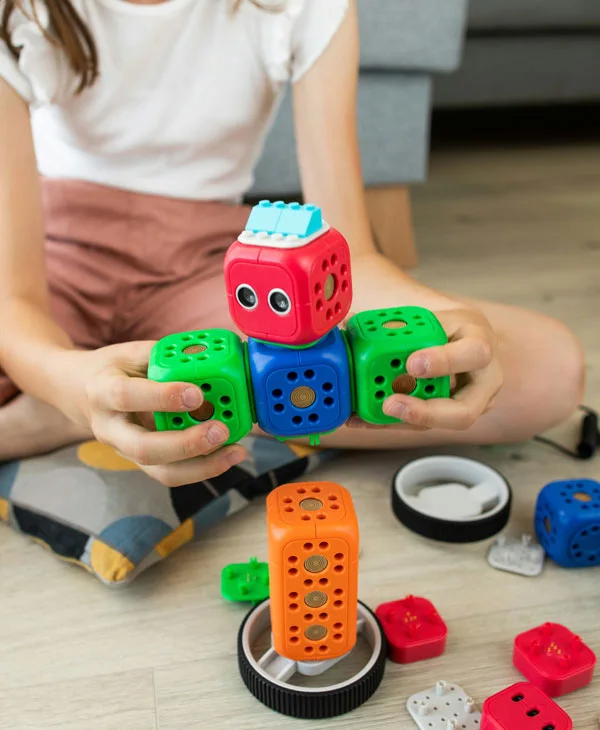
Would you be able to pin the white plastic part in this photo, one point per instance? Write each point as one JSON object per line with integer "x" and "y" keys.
{"x": 278, "y": 240}
{"x": 452, "y": 488}
{"x": 522, "y": 556}
{"x": 444, "y": 707}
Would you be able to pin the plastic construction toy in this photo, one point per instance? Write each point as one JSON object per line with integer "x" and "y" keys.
{"x": 451, "y": 499}
{"x": 213, "y": 360}
{"x": 554, "y": 659}
{"x": 521, "y": 555}
{"x": 381, "y": 342}
{"x": 445, "y": 707}
{"x": 413, "y": 628}
{"x": 245, "y": 581}
{"x": 313, "y": 615}
{"x": 567, "y": 522}
{"x": 523, "y": 706}
{"x": 289, "y": 288}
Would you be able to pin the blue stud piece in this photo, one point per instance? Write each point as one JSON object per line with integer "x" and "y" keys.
{"x": 567, "y": 522}
{"x": 301, "y": 392}
{"x": 300, "y": 220}
{"x": 265, "y": 216}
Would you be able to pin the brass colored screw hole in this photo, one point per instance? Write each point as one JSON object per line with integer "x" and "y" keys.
{"x": 303, "y": 396}
{"x": 330, "y": 287}
{"x": 204, "y": 413}
{"x": 582, "y": 497}
{"x": 394, "y": 324}
{"x": 311, "y": 505}
{"x": 404, "y": 384}
{"x": 315, "y": 633}
{"x": 548, "y": 525}
{"x": 192, "y": 349}
{"x": 315, "y": 563}
{"x": 315, "y": 599}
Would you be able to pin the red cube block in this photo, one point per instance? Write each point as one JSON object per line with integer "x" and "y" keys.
{"x": 523, "y": 707}
{"x": 288, "y": 290}
{"x": 414, "y": 629}
{"x": 554, "y": 659}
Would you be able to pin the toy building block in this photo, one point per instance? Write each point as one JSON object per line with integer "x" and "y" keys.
{"x": 554, "y": 659}
{"x": 444, "y": 707}
{"x": 413, "y": 628}
{"x": 288, "y": 288}
{"x": 214, "y": 361}
{"x": 381, "y": 341}
{"x": 245, "y": 581}
{"x": 523, "y": 706}
{"x": 521, "y": 555}
{"x": 301, "y": 392}
{"x": 567, "y": 522}
{"x": 313, "y": 568}
{"x": 293, "y": 219}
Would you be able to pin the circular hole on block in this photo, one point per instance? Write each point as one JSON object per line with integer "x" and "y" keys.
{"x": 338, "y": 592}
{"x": 395, "y": 363}
{"x": 332, "y": 497}
{"x": 328, "y": 401}
{"x": 206, "y": 387}
{"x": 277, "y": 393}
{"x": 293, "y": 606}
{"x": 308, "y": 546}
{"x": 204, "y": 413}
{"x": 429, "y": 389}
{"x": 323, "y": 545}
{"x": 344, "y": 270}
{"x": 323, "y": 581}
{"x": 292, "y": 559}
{"x": 338, "y": 569}
{"x": 371, "y": 329}
{"x": 314, "y": 417}
{"x": 335, "y": 506}
{"x": 224, "y": 400}
{"x": 297, "y": 420}
{"x": 339, "y": 556}
{"x": 293, "y": 571}
{"x": 324, "y": 265}
{"x": 308, "y": 582}
{"x": 294, "y": 639}
{"x": 323, "y": 648}
{"x": 288, "y": 509}
{"x": 177, "y": 421}
{"x": 309, "y": 374}
{"x": 320, "y": 305}
{"x": 227, "y": 415}
{"x": 321, "y": 516}
{"x": 327, "y": 387}
{"x": 294, "y": 629}
{"x": 338, "y": 626}
{"x": 404, "y": 384}
{"x": 279, "y": 408}
{"x": 379, "y": 380}
{"x": 300, "y": 490}
{"x": 380, "y": 395}
{"x": 323, "y": 616}
{"x": 337, "y": 637}
{"x": 293, "y": 595}
{"x": 292, "y": 376}
{"x": 318, "y": 288}
{"x": 338, "y": 604}
{"x": 333, "y": 259}
{"x": 329, "y": 315}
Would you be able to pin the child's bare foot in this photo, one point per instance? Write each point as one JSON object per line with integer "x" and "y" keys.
{"x": 29, "y": 427}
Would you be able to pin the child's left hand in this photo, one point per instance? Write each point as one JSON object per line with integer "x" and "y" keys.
{"x": 471, "y": 360}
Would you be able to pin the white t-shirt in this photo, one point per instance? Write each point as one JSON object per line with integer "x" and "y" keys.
{"x": 186, "y": 94}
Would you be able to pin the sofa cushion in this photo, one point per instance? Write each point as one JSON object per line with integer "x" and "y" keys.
{"x": 489, "y": 15}
{"x": 411, "y": 35}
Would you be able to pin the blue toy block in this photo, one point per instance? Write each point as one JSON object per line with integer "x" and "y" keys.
{"x": 288, "y": 220}
{"x": 301, "y": 392}
{"x": 567, "y": 522}
{"x": 300, "y": 220}
{"x": 265, "y": 216}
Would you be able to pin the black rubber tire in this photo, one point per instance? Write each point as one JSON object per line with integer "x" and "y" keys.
{"x": 441, "y": 530}
{"x": 306, "y": 705}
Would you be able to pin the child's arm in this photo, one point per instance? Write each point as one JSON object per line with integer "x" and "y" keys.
{"x": 329, "y": 159}
{"x": 101, "y": 389}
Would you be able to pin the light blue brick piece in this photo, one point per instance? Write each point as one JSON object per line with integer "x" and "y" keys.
{"x": 288, "y": 220}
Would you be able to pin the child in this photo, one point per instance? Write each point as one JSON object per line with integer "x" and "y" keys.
{"x": 128, "y": 135}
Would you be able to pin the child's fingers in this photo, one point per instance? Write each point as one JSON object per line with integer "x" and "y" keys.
{"x": 156, "y": 448}
{"x": 357, "y": 422}
{"x": 197, "y": 470}
{"x": 466, "y": 355}
{"x": 118, "y": 392}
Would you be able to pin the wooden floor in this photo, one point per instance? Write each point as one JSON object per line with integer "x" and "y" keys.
{"x": 519, "y": 226}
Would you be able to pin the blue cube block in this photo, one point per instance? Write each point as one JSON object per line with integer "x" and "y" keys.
{"x": 567, "y": 522}
{"x": 300, "y": 392}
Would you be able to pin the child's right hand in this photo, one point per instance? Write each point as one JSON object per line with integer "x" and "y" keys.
{"x": 107, "y": 391}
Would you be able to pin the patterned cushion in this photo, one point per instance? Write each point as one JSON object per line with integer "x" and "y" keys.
{"x": 90, "y": 506}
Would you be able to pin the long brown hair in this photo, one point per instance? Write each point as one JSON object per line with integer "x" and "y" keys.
{"x": 67, "y": 32}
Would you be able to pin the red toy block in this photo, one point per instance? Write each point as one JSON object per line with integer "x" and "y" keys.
{"x": 414, "y": 629}
{"x": 554, "y": 659}
{"x": 288, "y": 294}
{"x": 523, "y": 706}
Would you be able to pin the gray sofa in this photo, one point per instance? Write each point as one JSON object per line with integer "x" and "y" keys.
{"x": 526, "y": 52}
{"x": 404, "y": 43}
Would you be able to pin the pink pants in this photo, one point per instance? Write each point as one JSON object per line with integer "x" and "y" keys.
{"x": 126, "y": 266}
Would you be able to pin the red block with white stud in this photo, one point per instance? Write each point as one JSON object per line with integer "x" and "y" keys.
{"x": 287, "y": 290}
{"x": 413, "y": 628}
{"x": 523, "y": 707}
{"x": 554, "y": 659}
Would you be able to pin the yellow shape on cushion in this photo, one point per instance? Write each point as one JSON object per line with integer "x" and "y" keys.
{"x": 102, "y": 456}
{"x": 3, "y": 510}
{"x": 180, "y": 535}
{"x": 109, "y": 564}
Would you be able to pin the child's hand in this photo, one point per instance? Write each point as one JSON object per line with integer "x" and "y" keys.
{"x": 471, "y": 360}
{"x": 115, "y": 400}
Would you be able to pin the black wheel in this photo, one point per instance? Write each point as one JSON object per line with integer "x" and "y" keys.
{"x": 476, "y": 518}
{"x": 310, "y": 703}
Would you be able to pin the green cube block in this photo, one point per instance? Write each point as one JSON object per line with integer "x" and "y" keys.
{"x": 245, "y": 581}
{"x": 214, "y": 360}
{"x": 381, "y": 341}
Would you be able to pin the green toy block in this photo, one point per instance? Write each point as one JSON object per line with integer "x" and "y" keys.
{"x": 381, "y": 341}
{"x": 213, "y": 360}
{"x": 245, "y": 581}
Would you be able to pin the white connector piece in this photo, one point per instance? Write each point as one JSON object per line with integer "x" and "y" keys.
{"x": 444, "y": 707}
{"x": 522, "y": 556}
